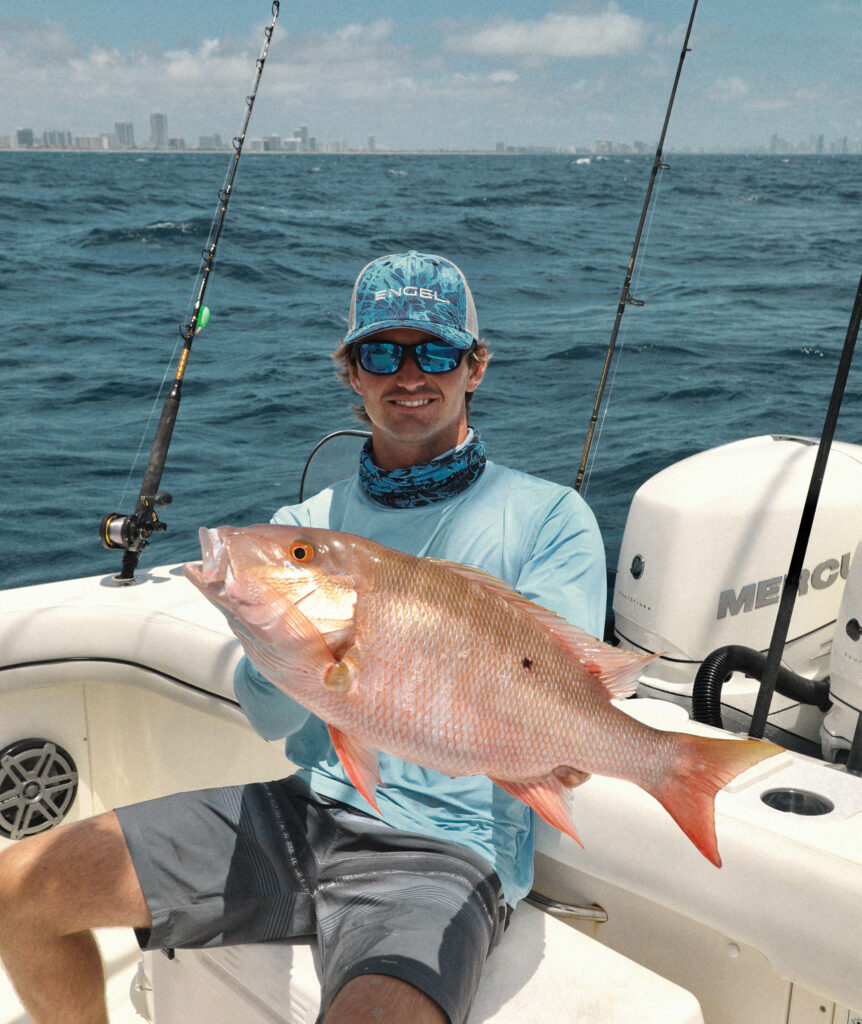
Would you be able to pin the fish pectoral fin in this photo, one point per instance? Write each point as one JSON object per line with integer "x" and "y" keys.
{"x": 571, "y": 777}
{"x": 341, "y": 676}
{"x": 359, "y": 761}
{"x": 547, "y": 797}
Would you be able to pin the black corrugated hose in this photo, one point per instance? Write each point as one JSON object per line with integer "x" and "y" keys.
{"x": 716, "y": 667}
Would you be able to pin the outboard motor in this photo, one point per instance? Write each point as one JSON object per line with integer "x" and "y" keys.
{"x": 845, "y": 691}
{"x": 706, "y": 546}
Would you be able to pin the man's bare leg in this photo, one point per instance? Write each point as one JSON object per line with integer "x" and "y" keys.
{"x": 382, "y": 999}
{"x": 54, "y": 888}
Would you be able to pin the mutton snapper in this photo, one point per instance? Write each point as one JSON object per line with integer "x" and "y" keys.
{"x": 447, "y": 667}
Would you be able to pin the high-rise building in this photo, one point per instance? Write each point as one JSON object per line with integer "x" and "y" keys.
{"x": 159, "y": 131}
{"x": 125, "y": 132}
{"x": 301, "y": 134}
{"x": 57, "y": 139}
{"x": 24, "y": 138}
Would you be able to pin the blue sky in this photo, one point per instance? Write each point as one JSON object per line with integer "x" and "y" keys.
{"x": 456, "y": 73}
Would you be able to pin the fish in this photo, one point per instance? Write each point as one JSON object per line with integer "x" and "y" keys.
{"x": 446, "y": 666}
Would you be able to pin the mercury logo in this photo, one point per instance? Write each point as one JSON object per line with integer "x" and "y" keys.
{"x": 766, "y": 592}
{"x": 409, "y": 291}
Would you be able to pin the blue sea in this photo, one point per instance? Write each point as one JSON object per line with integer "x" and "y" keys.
{"x": 748, "y": 270}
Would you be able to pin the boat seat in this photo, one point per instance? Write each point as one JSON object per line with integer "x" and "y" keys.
{"x": 543, "y": 971}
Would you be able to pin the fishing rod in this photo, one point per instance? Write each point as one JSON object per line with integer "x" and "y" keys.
{"x": 131, "y": 533}
{"x": 625, "y": 297}
{"x": 757, "y": 726}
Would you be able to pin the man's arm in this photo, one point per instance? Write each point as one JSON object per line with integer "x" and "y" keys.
{"x": 276, "y": 716}
{"x": 272, "y": 713}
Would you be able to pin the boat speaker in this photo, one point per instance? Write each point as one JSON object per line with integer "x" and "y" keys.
{"x": 38, "y": 784}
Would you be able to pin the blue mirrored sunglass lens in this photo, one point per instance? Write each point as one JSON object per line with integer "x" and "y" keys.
{"x": 380, "y": 357}
{"x": 388, "y": 356}
{"x": 437, "y": 357}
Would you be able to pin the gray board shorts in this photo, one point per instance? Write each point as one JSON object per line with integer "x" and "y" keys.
{"x": 273, "y": 860}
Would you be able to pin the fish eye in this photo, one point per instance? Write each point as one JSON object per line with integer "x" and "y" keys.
{"x": 301, "y": 551}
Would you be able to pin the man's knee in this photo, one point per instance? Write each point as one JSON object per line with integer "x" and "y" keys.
{"x": 70, "y": 879}
{"x": 383, "y": 998}
{"x": 16, "y": 886}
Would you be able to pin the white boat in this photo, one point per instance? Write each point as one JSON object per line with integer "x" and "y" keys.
{"x": 111, "y": 694}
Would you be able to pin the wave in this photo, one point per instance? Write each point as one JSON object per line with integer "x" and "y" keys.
{"x": 160, "y": 233}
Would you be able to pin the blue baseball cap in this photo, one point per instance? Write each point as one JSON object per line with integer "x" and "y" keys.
{"x": 415, "y": 290}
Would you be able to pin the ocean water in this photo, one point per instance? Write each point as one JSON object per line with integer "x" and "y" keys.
{"x": 748, "y": 271}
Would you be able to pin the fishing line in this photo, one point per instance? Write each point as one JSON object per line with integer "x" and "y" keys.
{"x": 131, "y": 533}
{"x": 196, "y": 287}
{"x": 622, "y": 343}
{"x": 190, "y": 305}
{"x": 146, "y": 430}
{"x": 625, "y": 296}
{"x": 790, "y": 589}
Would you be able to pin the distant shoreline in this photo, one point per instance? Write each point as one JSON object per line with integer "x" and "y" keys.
{"x": 419, "y": 152}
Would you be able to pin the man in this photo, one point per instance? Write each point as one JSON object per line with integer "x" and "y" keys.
{"x": 405, "y": 907}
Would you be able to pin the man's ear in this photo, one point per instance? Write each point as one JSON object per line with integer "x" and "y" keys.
{"x": 475, "y": 374}
{"x": 354, "y": 379}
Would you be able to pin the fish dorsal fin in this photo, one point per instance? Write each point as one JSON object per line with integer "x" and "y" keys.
{"x": 617, "y": 670}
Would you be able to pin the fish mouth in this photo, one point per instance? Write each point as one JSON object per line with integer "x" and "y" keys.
{"x": 212, "y": 571}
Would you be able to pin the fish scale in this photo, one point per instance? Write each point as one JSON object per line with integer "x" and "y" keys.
{"x": 444, "y": 666}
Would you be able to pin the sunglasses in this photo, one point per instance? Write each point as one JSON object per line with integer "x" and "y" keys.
{"x": 388, "y": 356}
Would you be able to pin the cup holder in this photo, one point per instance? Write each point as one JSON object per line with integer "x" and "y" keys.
{"x": 797, "y": 801}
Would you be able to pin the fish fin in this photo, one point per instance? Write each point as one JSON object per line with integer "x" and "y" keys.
{"x": 617, "y": 670}
{"x": 547, "y": 798}
{"x": 571, "y": 777}
{"x": 359, "y": 761}
{"x": 341, "y": 676}
{"x": 702, "y": 767}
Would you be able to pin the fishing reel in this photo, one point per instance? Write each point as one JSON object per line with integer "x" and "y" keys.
{"x": 131, "y": 533}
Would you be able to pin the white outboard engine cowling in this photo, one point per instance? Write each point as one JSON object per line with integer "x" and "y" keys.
{"x": 845, "y": 669}
{"x": 707, "y": 544}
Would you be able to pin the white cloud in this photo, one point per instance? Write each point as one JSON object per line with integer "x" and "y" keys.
{"x": 729, "y": 89}
{"x": 505, "y": 77}
{"x": 767, "y": 106}
{"x": 53, "y": 82}
{"x": 556, "y": 35}
{"x": 356, "y": 62}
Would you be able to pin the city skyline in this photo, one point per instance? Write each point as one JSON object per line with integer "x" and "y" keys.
{"x": 467, "y": 76}
{"x": 301, "y": 141}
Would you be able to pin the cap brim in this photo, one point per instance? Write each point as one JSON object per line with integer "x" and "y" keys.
{"x": 460, "y": 339}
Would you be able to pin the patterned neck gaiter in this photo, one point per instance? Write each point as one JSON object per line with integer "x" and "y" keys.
{"x": 427, "y": 483}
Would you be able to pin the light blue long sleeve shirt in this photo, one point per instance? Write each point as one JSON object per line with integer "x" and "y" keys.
{"x": 540, "y": 538}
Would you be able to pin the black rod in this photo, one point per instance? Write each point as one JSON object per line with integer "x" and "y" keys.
{"x": 791, "y": 581}
{"x": 624, "y": 297}
{"x": 131, "y": 533}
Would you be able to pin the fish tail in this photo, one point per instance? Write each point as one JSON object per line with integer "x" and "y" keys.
{"x": 702, "y": 767}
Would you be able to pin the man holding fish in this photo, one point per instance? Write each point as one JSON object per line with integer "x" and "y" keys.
{"x": 428, "y": 705}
